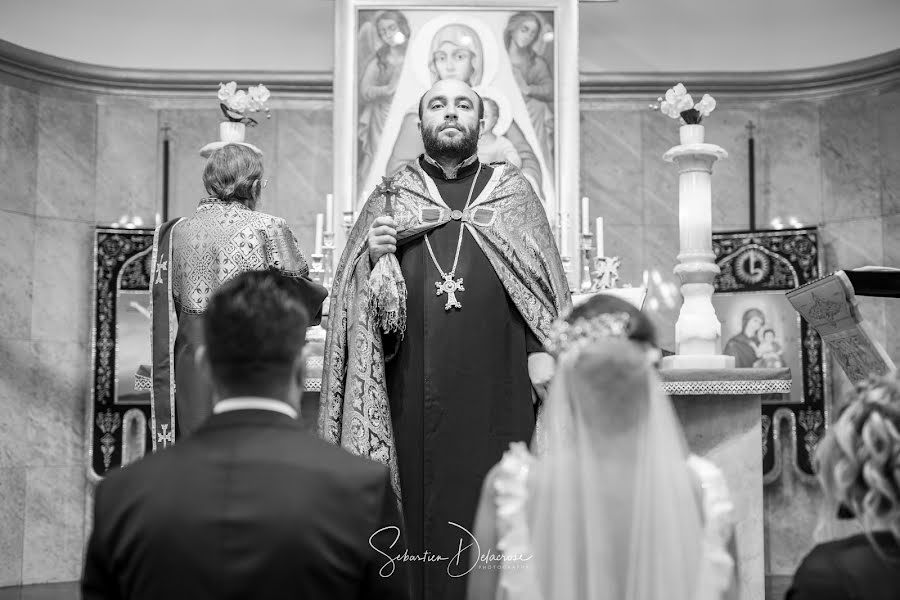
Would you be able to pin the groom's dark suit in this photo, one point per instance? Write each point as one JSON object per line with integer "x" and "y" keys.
{"x": 249, "y": 507}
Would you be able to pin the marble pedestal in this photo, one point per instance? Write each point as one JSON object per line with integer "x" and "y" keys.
{"x": 720, "y": 412}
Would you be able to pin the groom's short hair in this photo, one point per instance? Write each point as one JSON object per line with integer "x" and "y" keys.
{"x": 254, "y": 328}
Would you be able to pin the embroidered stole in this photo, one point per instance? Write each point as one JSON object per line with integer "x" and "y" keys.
{"x": 164, "y": 322}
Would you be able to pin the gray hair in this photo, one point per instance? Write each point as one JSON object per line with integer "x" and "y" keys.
{"x": 234, "y": 174}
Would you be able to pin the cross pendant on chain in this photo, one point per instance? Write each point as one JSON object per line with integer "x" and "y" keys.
{"x": 450, "y": 287}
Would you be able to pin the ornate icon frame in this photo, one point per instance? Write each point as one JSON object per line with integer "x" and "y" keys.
{"x": 563, "y": 211}
{"x": 781, "y": 260}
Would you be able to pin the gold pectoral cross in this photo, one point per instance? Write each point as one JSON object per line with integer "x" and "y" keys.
{"x": 450, "y": 286}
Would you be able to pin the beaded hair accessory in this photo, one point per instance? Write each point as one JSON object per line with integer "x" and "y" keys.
{"x": 582, "y": 332}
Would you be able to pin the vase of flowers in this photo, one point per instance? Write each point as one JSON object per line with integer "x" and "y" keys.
{"x": 678, "y": 104}
{"x": 235, "y": 105}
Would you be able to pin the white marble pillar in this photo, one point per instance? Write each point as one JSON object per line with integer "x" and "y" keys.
{"x": 698, "y": 331}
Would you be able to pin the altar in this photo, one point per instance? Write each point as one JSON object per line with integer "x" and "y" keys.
{"x": 719, "y": 410}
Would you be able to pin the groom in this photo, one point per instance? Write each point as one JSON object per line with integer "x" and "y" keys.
{"x": 250, "y": 505}
{"x": 484, "y": 281}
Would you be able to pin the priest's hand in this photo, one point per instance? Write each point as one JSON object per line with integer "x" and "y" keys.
{"x": 541, "y": 367}
{"x": 382, "y": 238}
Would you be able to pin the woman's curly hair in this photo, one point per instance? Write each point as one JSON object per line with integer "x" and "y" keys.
{"x": 859, "y": 460}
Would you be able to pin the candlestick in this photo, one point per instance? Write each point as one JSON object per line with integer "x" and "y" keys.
{"x": 348, "y": 221}
{"x": 586, "y": 282}
{"x": 329, "y": 213}
{"x": 316, "y": 267}
{"x": 327, "y": 258}
{"x": 585, "y": 216}
{"x": 599, "y": 228}
{"x": 319, "y": 218}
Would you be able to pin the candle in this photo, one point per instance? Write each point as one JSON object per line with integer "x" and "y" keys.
{"x": 158, "y": 219}
{"x": 319, "y": 219}
{"x": 585, "y": 216}
{"x": 599, "y": 227}
{"x": 329, "y": 213}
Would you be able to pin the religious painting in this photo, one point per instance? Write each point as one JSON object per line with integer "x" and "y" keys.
{"x": 119, "y": 405}
{"x": 761, "y": 329}
{"x": 511, "y": 53}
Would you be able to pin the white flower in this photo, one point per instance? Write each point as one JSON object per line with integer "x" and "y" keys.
{"x": 706, "y": 105}
{"x": 674, "y": 93}
{"x": 226, "y": 90}
{"x": 668, "y": 109}
{"x": 259, "y": 93}
{"x": 239, "y": 102}
{"x": 685, "y": 103}
{"x": 677, "y": 101}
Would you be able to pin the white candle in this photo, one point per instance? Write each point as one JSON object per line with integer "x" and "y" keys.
{"x": 329, "y": 213}
{"x": 585, "y": 215}
{"x": 599, "y": 227}
{"x": 158, "y": 219}
{"x": 319, "y": 219}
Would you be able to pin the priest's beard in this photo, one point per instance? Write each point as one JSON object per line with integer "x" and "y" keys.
{"x": 458, "y": 148}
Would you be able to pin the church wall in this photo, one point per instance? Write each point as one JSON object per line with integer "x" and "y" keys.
{"x": 71, "y": 160}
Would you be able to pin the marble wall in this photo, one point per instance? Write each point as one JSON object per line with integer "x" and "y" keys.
{"x": 830, "y": 162}
{"x": 71, "y": 161}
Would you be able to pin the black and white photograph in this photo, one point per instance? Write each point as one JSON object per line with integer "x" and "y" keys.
{"x": 473, "y": 300}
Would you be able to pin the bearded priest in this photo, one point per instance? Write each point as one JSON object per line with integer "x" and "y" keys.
{"x": 442, "y": 402}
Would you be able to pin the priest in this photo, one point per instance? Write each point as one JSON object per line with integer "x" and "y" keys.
{"x": 191, "y": 258}
{"x": 440, "y": 403}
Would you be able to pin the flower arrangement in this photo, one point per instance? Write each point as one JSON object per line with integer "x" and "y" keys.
{"x": 236, "y": 103}
{"x": 678, "y": 104}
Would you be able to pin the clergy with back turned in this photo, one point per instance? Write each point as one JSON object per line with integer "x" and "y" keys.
{"x": 440, "y": 403}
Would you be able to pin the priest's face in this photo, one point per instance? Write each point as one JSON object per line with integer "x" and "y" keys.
{"x": 451, "y": 120}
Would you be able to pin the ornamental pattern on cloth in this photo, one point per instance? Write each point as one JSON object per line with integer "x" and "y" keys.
{"x": 769, "y": 386}
{"x": 518, "y": 242}
{"x": 510, "y": 488}
{"x": 513, "y": 537}
{"x": 717, "y": 566}
{"x": 224, "y": 239}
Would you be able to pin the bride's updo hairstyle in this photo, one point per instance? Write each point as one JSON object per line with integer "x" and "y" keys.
{"x": 859, "y": 459}
{"x": 607, "y": 347}
{"x": 640, "y": 329}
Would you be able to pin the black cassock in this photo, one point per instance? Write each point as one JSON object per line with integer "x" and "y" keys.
{"x": 459, "y": 390}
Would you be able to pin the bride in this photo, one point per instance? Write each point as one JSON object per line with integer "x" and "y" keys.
{"x": 613, "y": 506}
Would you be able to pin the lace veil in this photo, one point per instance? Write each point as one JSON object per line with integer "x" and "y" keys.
{"x": 614, "y": 512}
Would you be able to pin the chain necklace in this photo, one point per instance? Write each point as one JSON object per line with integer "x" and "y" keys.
{"x": 449, "y": 285}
